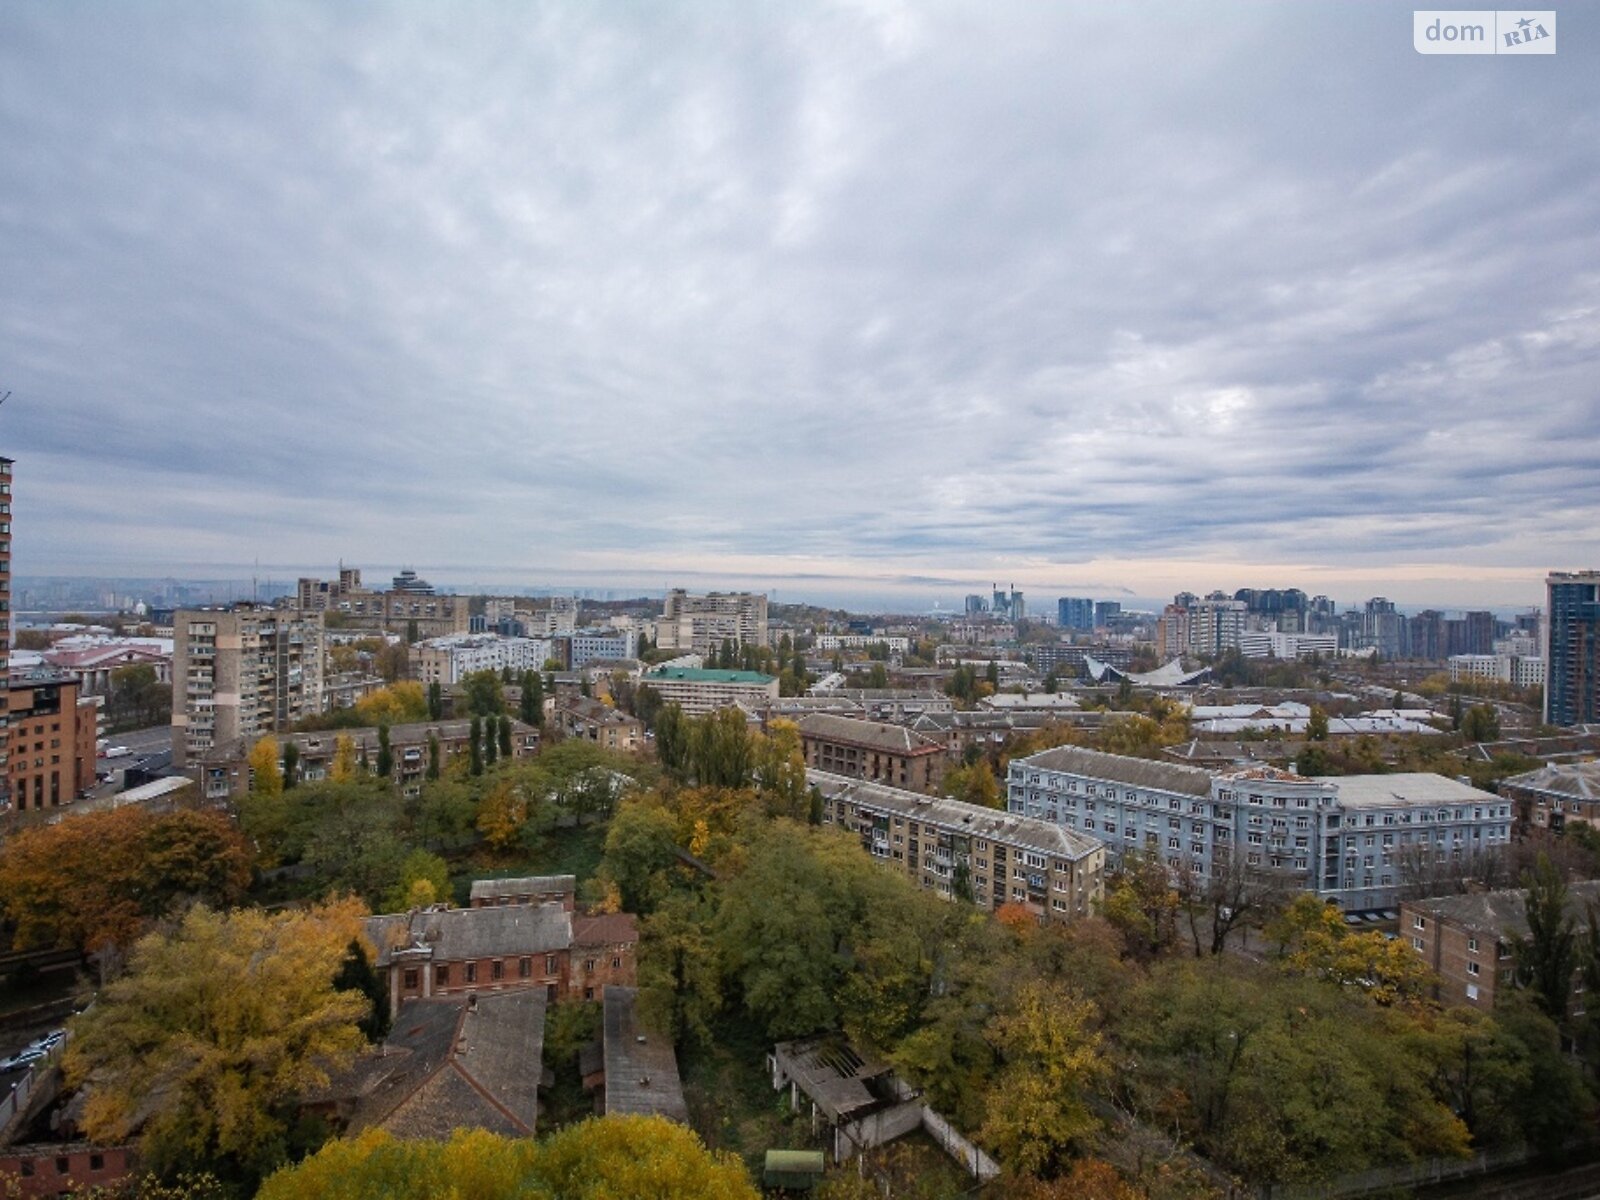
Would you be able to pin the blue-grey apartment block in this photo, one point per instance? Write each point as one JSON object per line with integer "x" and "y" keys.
{"x": 1351, "y": 839}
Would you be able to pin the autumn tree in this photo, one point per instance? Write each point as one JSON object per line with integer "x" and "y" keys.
{"x": 265, "y": 779}
{"x": 1143, "y": 904}
{"x": 215, "y": 1032}
{"x": 1039, "y": 1108}
{"x": 1313, "y": 938}
{"x": 345, "y": 765}
{"x": 640, "y": 850}
{"x": 605, "y": 1158}
{"x": 975, "y": 784}
{"x": 97, "y": 879}
{"x": 397, "y": 704}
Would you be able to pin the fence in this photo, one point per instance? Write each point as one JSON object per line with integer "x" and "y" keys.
{"x": 978, "y": 1164}
{"x": 1401, "y": 1175}
{"x": 16, "y": 1104}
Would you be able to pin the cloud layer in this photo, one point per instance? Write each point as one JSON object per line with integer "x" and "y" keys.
{"x": 1060, "y": 294}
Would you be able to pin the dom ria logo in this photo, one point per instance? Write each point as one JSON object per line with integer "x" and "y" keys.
{"x": 1484, "y": 31}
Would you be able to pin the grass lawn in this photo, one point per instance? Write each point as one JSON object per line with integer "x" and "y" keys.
{"x": 573, "y": 850}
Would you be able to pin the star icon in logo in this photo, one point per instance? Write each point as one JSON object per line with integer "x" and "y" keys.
{"x": 1524, "y": 23}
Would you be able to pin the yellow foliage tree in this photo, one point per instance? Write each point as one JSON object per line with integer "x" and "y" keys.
{"x": 1038, "y": 1108}
{"x": 215, "y": 1028}
{"x": 396, "y": 704}
{"x": 607, "y": 1158}
{"x": 1313, "y": 938}
{"x": 266, "y": 777}
{"x": 344, "y": 759}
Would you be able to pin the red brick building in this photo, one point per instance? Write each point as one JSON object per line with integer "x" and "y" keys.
{"x": 443, "y": 952}
{"x": 56, "y": 1170}
{"x": 872, "y": 750}
{"x": 51, "y": 750}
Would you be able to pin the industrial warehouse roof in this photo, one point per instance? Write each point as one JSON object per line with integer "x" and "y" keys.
{"x": 958, "y": 816}
{"x": 1118, "y": 768}
{"x": 641, "y": 1067}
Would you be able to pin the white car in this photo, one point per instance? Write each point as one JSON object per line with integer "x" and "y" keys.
{"x": 22, "y": 1058}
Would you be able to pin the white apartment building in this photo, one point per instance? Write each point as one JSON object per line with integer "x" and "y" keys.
{"x": 1351, "y": 839}
{"x": 1270, "y": 644}
{"x": 1517, "y": 670}
{"x": 587, "y": 645}
{"x": 700, "y": 691}
{"x": 447, "y": 660}
{"x": 862, "y": 641}
{"x": 1215, "y": 625}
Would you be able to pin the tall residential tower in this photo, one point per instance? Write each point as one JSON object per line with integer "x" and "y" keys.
{"x": 1572, "y": 648}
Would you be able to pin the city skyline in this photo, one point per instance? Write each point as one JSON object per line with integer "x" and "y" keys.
{"x": 871, "y": 300}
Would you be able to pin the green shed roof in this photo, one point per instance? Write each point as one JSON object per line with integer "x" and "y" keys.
{"x": 705, "y": 675}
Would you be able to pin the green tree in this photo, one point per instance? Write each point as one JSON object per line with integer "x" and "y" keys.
{"x": 504, "y": 739}
{"x": 1317, "y": 725}
{"x": 385, "y": 754}
{"x": 357, "y": 974}
{"x": 1481, "y": 724}
{"x": 475, "y": 745}
{"x": 491, "y": 742}
{"x": 672, "y": 738}
{"x": 640, "y": 851}
{"x": 483, "y": 692}
{"x": 435, "y": 701}
{"x": 1548, "y": 955}
{"x": 680, "y": 972}
{"x": 433, "y": 756}
{"x": 975, "y": 784}
{"x": 291, "y": 763}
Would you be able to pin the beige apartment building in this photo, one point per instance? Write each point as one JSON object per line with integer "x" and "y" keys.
{"x": 240, "y": 672}
{"x": 5, "y": 619}
{"x": 410, "y": 603}
{"x": 965, "y": 851}
{"x": 701, "y": 624}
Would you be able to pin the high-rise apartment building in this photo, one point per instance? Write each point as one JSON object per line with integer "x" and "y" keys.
{"x": 701, "y": 624}
{"x": 1106, "y": 611}
{"x": 5, "y": 621}
{"x": 1572, "y": 648}
{"x": 1215, "y": 624}
{"x": 240, "y": 672}
{"x": 1075, "y": 613}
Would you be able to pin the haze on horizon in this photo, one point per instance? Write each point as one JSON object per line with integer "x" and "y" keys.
{"x": 1082, "y": 298}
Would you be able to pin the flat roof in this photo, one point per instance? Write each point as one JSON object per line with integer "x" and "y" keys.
{"x": 1404, "y": 788}
{"x": 707, "y": 675}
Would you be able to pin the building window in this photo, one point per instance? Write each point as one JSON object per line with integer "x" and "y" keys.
{"x": 1472, "y": 968}
{"x": 549, "y": 964}
{"x": 1472, "y": 945}
{"x": 441, "y": 975}
{"x": 409, "y": 980}
{"x": 524, "y": 968}
{"x": 1416, "y": 942}
{"x": 1472, "y": 991}
{"x": 1419, "y": 922}
{"x": 496, "y": 970}
{"x": 472, "y": 972}
{"x": 617, "y": 961}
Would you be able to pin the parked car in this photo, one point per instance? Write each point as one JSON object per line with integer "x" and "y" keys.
{"x": 22, "y": 1058}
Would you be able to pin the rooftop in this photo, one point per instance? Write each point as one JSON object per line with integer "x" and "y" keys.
{"x": 1410, "y": 788}
{"x": 641, "y": 1067}
{"x": 707, "y": 675}
{"x": 527, "y": 885}
{"x": 452, "y": 1062}
{"x": 1140, "y": 772}
{"x": 1502, "y": 914}
{"x": 875, "y": 735}
{"x": 1579, "y": 781}
{"x": 455, "y": 934}
{"x": 994, "y": 824}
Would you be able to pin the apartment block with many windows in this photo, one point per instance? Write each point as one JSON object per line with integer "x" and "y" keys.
{"x": 964, "y": 851}
{"x": 240, "y": 672}
{"x": 1572, "y": 648}
{"x": 701, "y": 624}
{"x": 1356, "y": 839}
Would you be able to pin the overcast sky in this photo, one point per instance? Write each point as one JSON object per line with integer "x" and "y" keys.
{"x": 1086, "y": 297}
